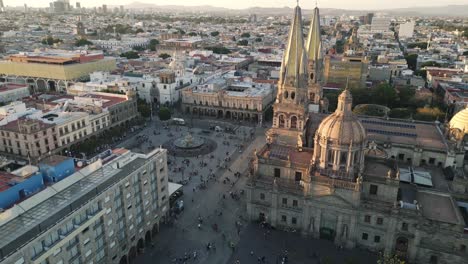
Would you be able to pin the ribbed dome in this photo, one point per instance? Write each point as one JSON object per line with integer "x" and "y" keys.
{"x": 460, "y": 121}
{"x": 342, "y": 126}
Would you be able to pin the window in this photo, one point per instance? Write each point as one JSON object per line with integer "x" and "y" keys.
{"x": 367, "y": 218}
{"x": 364, "y": 236}
{"x": 294, "y": 122}
{"x": 373, "y": 189}
{"x": 277, "y": 172}
{"x": 281, "y": 121}
{"x": 283, "y": 218}
{"x": 380, "y": 221}
{"x": 377, "y": 239}
{"x": 298, "y": 176}
{"x": 404, "y": 226}
{"x": 262, "y": 196}
{"x": 294, "y": 220}
{"x": 295, "y": 203}
{"x": 285, "y": 201}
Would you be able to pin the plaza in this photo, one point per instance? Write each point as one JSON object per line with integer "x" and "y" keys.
{"x": 209, "y": 177}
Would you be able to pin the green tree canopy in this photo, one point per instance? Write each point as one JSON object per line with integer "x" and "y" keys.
{"x": 130, "y": 55}
{"x": 219, "y": 50}
{"x": 143, "y": 108}
{"x": 389, "y": 259}
{"x": 82, "y": 42}
{"x": 139, "y": 30}
{"x": 430, "y": 64}
{"x": 384, "y": 94}
{"x": 214, "y": 33}
{"x": 258, "y": 40}
{"x": 153, "y": 43}
{"x": 412, "y": 60}
{"x": 192, "y": 34}
{"x": 245, "y": 35}
{"x": 164, "y": 113}
{"x": 421, "y": 45}
{"x": 164, "y": 56}
{"x": 49, "y": 40}
{"x": 243, "y": 42}
{"x": 429, "y": 114}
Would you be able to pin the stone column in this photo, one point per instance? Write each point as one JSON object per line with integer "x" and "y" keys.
{"x": 351, "y": 241}
{"x": 338, "y": 230}
{"x": 305, "y": 219}
{"x": 318, "y": 217}
{"x": 274, "y": 208}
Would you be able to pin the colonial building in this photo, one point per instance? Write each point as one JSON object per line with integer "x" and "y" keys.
{"x": 360, "y": 182}
{"x": 225, "y": 96}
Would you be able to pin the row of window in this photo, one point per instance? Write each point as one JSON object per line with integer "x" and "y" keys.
{"x": 365, "y": 236}
{"x": 297, "y": 175}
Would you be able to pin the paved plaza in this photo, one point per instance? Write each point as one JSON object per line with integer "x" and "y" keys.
{"x": 183, "y": 238}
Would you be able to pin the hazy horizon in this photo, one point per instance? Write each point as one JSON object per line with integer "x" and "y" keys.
{"x": 241, "y": 4}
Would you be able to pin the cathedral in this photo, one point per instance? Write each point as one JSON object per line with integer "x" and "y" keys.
{"x": 390, "y": 186}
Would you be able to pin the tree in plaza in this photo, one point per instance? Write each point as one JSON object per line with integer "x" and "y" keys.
{"x": 143, "y": 108}
{"x": 389, "y": 259}
{"x": 164, "y": 113}
{"x": 49, "y": 40}
{"x": 164, "y": 56}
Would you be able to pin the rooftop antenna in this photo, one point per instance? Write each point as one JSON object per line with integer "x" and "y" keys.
{"x": 347, "y": 82}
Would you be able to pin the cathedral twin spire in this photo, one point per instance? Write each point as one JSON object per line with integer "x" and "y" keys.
{"x": 298, "y": 54}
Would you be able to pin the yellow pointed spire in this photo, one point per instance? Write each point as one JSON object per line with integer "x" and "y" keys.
{"x": 314, "y": 42}
{"x": 294, "y": 66}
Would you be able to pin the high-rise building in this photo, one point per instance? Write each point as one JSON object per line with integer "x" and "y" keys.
{"x": 104, "y": 8}
{"x": 122, "y": 9}
{"x": 380, "y": 24}
{"x": 2, "y": 7}
{"x": 340, "y": 70}
{"x": 362, "y": 181}
{"x": 103, "y": 213}
{"x": 406, "y": 30}
{"x": 78, "y": 5}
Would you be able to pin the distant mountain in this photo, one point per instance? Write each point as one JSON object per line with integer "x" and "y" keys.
{"x": 449, "y": 10}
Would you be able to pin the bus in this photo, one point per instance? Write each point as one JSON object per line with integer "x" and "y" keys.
{"x": 178, "y": 121}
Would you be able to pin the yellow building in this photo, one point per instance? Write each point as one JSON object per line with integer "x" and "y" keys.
{"x": 338, "y": 69}
{"x": 53, "y": 70}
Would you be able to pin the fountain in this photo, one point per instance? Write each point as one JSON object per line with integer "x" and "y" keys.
{"x": 189, "y": 142}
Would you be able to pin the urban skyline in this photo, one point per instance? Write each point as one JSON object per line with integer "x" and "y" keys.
{"x": 241, "y": 4}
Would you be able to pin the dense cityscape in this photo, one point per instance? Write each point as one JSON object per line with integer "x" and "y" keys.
{"x": 142, "y": 133}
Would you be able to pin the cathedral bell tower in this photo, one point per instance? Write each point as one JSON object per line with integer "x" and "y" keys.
{"x": 315, "y": 56}
{"x": 290, "y": 109}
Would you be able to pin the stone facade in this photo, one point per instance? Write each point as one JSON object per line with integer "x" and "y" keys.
{"x": 344, "y": 189}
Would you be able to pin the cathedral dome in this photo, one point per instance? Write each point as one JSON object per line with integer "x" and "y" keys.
{"x": 342, "y": 127}
{"x": 460, "y": 121}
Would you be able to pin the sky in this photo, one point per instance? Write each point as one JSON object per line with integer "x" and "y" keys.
{"x": 239, "y": 4}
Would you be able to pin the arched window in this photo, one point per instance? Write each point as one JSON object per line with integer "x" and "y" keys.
{"x": 286, "y": 95}
{"x": 281, "y": 121}
{"x": 312, "y": 76}
{"x": 343, "y": 158}
{"x": 293, "y": 121}
{"x": 293, "y": 95}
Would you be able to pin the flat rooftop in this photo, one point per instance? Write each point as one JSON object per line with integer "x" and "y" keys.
{"x": 54, "y": 160}
{"x": 285, "y": 153}
{"x": 423, "y": 134}
{"x": 51, "y": 205}
{"x": 437, "y": 207}
{"x": 10, "y": 87}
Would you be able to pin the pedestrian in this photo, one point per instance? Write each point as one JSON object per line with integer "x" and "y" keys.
{"x": 251, "y": 253}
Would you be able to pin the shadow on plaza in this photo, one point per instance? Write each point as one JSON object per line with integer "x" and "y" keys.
{"x": 300, "y": 249}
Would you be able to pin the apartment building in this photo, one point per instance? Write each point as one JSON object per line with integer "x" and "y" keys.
{"x": 103, "y": 213}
